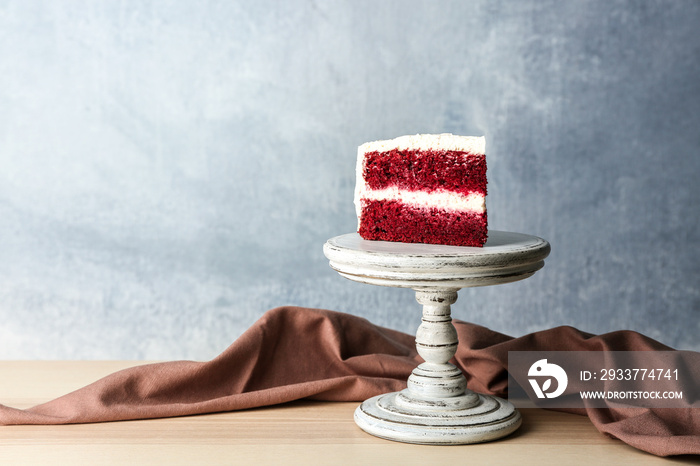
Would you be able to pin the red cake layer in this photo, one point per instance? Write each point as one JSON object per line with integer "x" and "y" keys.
{"x": 395, "y": 221}
{"x": 427, "y": 170}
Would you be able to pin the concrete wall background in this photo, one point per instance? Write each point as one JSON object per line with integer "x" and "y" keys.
{"x": 170, "y": 170}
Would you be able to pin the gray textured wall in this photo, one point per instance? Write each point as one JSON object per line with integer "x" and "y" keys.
{"x": 170, "y": 170}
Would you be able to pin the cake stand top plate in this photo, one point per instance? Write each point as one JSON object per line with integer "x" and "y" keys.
{"x": 506, "y": 257}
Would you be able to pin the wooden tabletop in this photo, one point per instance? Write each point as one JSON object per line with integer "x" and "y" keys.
{"x": 303, "y": 432}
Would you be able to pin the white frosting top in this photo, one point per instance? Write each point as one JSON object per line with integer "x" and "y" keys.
{"x": 445, "y": 141}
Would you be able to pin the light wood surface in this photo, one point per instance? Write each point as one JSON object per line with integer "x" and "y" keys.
{"x": 303, "y": 432}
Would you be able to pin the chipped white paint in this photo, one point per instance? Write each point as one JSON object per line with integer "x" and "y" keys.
{"x": 437, "y": 408}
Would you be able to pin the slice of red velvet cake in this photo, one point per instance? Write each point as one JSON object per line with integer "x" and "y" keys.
{"x": 427, "y": 188}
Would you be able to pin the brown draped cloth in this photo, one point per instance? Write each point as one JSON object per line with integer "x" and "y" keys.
{"x": 293, "y": 353}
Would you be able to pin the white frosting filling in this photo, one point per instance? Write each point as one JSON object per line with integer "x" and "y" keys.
{"x": 447, "y": 200}
{"x": 446, "y": 141}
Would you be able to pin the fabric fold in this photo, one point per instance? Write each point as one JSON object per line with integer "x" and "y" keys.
{"x": 292, "y": 353}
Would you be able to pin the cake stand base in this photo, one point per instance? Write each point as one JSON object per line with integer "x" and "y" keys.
{"x": 394, "y": 416}
{"x": 436, "y": 408}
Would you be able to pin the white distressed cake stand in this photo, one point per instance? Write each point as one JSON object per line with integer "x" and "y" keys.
{"x": 436, "y": 408}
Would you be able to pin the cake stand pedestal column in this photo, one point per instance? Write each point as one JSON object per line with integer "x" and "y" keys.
{"x": 436, "y": 407}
